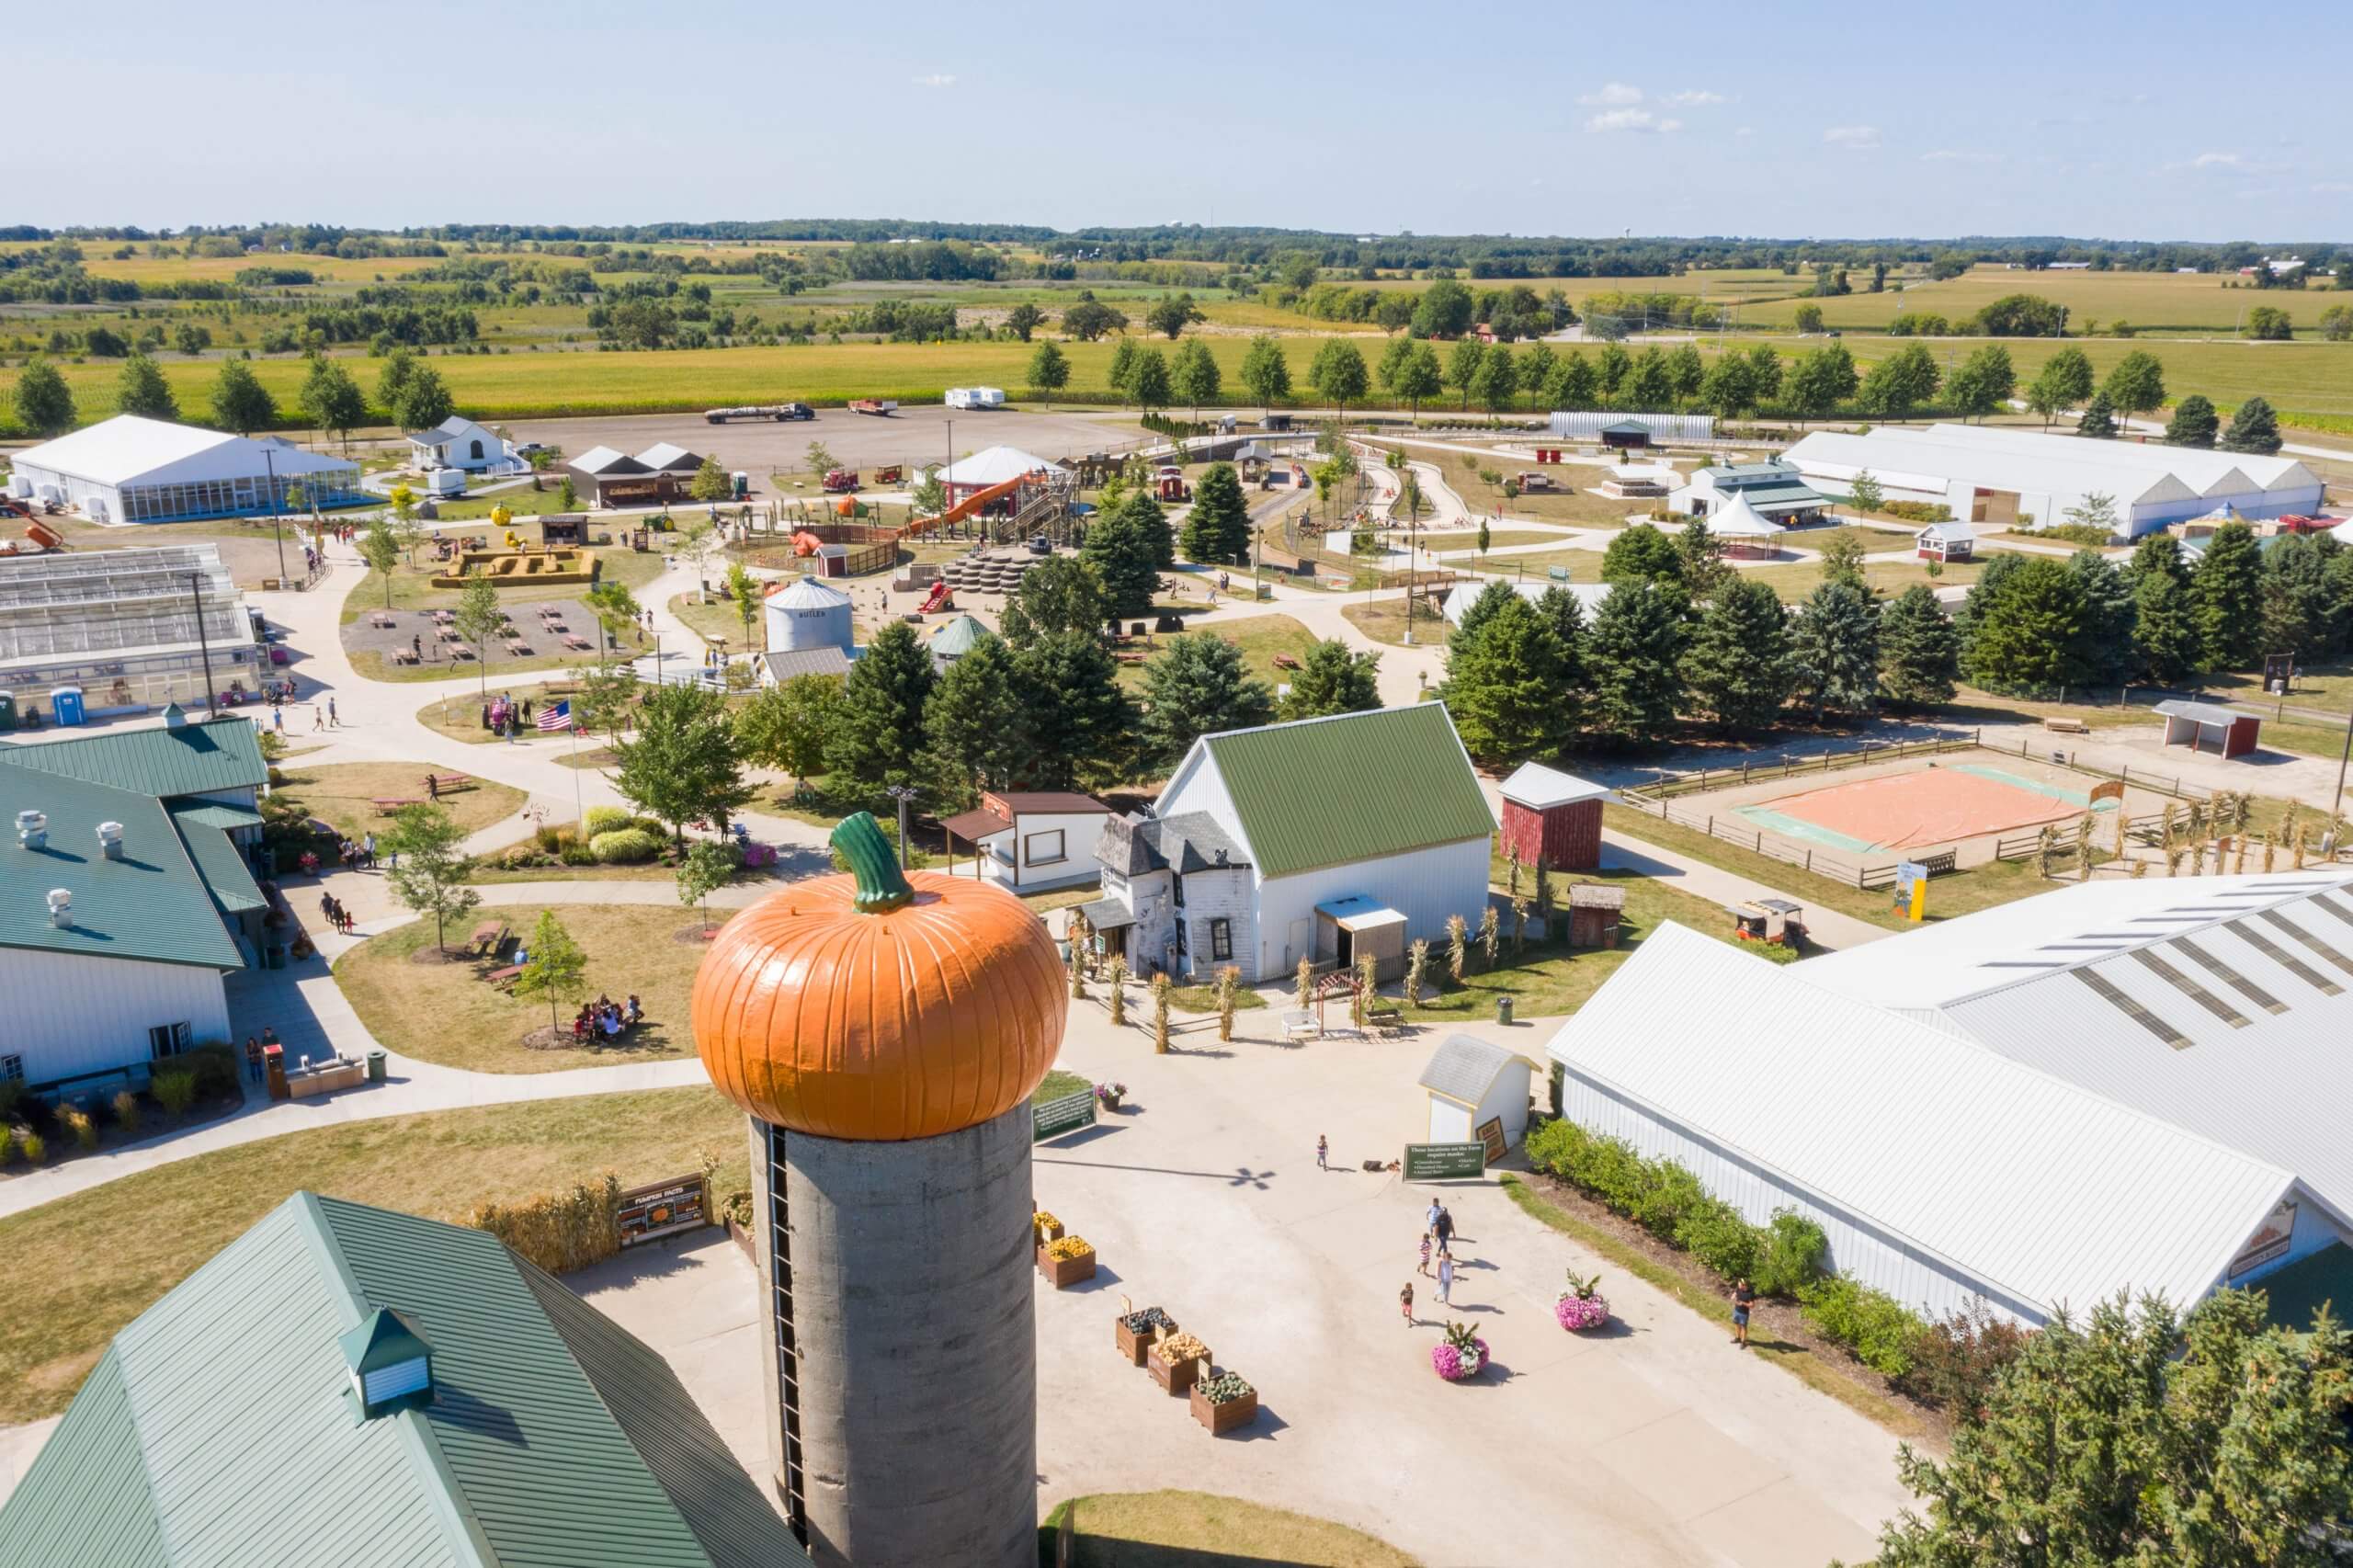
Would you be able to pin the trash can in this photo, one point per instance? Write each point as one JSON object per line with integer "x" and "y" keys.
{"x": 1502, "y": 1009}
{"x": 375, "y": 1066}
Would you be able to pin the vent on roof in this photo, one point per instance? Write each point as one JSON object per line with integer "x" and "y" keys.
{"x": 391, "y": 1366}
{"x": 61, "y": 908}
{"x": 2132, "y": 1009}
{"x": 110, "y": 840}
{"x": 2229, "y": 976}
{"x": 2284, "y": 959}
{"x": 32, "y": 830}
{"x": 174, "y": 716}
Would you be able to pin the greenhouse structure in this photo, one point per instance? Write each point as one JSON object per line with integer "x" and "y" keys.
{"x": 124, "y": 630}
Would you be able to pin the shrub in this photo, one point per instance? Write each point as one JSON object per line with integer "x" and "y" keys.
{"x": 36, "y": 1148}
{"x": 1775, "y": 952}
{"x": 1788, "y": 1257}
{"x": 605, "y": 819}
{"x": 558, "y": 1231}
{"x": 624, "y": 846}
{"x": 1916, "y": 511}
{"x": 84, "y": 1130}
{"x": 1722, "y": 1239}
{"x": 7, "y": 1143}
{"x": 577, "y": 855}
{"x": 215, "y": 1065}
{"x": 1871, "y": 1323}
{"x": 126, "y": 1112}
{"x": 174, "y": 1090}
{"x": 1955, "y": 1362}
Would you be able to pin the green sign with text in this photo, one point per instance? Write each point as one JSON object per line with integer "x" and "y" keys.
{"x": 1445, "y": 1162}
{"x": 1064, "y": 1114}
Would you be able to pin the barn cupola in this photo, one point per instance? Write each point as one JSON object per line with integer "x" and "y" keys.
{"x": 392, "y": 1365}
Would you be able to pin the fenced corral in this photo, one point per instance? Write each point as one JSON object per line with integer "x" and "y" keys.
{"x": 1945, "y": 802}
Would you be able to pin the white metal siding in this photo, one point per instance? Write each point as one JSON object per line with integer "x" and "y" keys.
{"x": 69, "y": 1014}
{"x": 1423, "y": 885}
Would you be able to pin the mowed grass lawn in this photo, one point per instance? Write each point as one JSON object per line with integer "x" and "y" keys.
{"x": 343, "y": 795}
{"x": 459, "y": 716}
{"x": 448, "y": 1013}
{"x": 2163, "y": 301}
{"x": 82, "y": 1266}
{"x": 1172, "y": 1529}
{"x": 1260, "y": 638}
{"x": 411, "y": 591}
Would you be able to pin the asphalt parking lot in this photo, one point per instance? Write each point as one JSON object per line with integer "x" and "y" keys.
{"x": 913, "y": 435}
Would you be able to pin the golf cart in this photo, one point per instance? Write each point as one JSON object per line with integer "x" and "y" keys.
{"x": 1773, "y": 920}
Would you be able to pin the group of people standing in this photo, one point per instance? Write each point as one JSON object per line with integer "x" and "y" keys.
{"x": 1437, "y": 1242}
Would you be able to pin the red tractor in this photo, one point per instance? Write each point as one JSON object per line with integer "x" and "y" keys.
{"x": 841, "y": 481}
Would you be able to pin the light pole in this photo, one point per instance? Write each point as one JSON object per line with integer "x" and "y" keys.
{"x": 2336, "y": 801}
{"x": 203, "y": 642}
{"x": 903, "y": 793}
{"x": 269, "y": 462}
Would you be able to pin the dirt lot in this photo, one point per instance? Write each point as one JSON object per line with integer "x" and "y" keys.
{"x": 913, "y": 435}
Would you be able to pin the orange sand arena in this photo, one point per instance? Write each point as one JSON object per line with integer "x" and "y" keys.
{"x": 1933, "y": 806}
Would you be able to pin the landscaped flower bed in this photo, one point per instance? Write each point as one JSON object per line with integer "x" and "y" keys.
{"x": 1066, "y": 1260}
{"x": 1462, "y": 1354}
{"x": 1133, "y": 1331}
{"x": 1224, "y": 1402}
{"x": 1174, "y": 1362}
{"x": 1582, "y": 1305}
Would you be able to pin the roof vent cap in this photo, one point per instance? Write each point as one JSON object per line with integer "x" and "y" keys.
{"x": 61, "y": 908}
{"x": 32, "y": 830}
{"x": 392, "y": 1365}
{"x": 174, "y": 716}
{"x": 110, "y": 840}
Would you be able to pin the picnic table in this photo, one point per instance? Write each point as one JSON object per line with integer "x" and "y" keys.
{"x": 389, "y": 804}
{"x": 437, "y": 782}
{"x": 405, "y": 656}
{"x": 460, "y": 651}
{"x": 502, "y": 978}
{"x": 382, "y": 619}
{"x": 517, "y": 647}
{"x": 1286, "y": 661}
{"x": 488, "y": 936}
{"x": 2059, "y": 726}
{"x": 444, "y": 617}
{"x": 578, "y": 643}
{"x": 450, "y": 634}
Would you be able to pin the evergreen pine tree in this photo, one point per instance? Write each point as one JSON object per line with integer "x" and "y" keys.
{"x": 2193, "y": 423}
{"x": 1507, "y": 686}
{"x": 1564, "y": 613}
{"x": 881, "y": 732}
{"x": 2254, "y": 429}
{"x": 2228, "y": 588}
{"x": 1332, "y": 679}
{"x": 974, "y": 724}
{"x": 1217, "y": 529}
{"x": 1492, "y": 598}
{"x": 1078, "y": 721}
{"x": 2102, "y": 654}
{"x": 1919, "y": 649}
{"x": 1119, "y": 547}
{"x": 1738, "y": 661}
{"x": 1198, "y": 685}
{"x": 1834, "y": 647}
{"x": 1151, "y": 522}
{"x": 2023, "y": 629}
{"x": 1635, "y": 655}
{"x": 2098, "y": 420}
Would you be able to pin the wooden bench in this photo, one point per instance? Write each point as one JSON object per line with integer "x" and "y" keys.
{"x": 1385, "y": 1020}
{"x": 386, "y": 807}
{"x": 2058, "y": 726}
{"x": 435, "y": 783}
{"x": 502, "y": 978}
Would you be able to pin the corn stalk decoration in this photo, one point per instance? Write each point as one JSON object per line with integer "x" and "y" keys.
{"x": 1544, "y": 898}
{"x": 1115, "y": 975}
{"x": 1368, "y": 987}
{"x": 1081, "y": 934}
{"x": 1490, "y": 929}
{"x": 2084, "y": 826}
{"x": 1229, "y": 983}
{"x": 1160, "y": 989}
{"x": 1457, "y": 946}
{"x": 1417, "y": 968}
{"x": 1307, "y": 983}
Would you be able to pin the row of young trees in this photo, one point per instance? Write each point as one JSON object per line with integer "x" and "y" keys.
{"x": 1680, "y": 632}
{"x": 2034, "y": 622}
{"x": 411, "y": 393}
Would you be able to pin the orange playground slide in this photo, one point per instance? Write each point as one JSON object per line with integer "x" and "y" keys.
{"x": 968, "y": 506}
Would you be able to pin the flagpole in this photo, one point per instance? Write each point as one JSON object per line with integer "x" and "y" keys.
{"x": 579, "y": 812}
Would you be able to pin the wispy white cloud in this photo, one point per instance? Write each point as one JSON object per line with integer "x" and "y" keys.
{"x": 1614, "y": 93}
{"x": 1860, "y": 138}
{"x": 1960, "y": 155}
{"x": 2333, "y": 187}
{"x": 2217, "y": 161}
{"x": 1746, "y": 131}
{"x": 936, "y": 79}
{"x": 1697, "y": 96}
{"x": 1635, "y": 119}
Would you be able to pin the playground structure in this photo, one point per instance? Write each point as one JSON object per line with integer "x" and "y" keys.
{"x": 522, "y": 567}
{"x": 940, "y": 597}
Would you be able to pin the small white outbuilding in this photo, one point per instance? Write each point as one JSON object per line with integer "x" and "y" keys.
{"x": 1473, "y": 1083}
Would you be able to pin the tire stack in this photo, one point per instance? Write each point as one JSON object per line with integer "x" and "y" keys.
{"x": 993, "y": 571}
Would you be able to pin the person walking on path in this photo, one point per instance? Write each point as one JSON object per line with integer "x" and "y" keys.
{"x": 334, "y": 719}
{"x": 1323, "y": 1153}
{"x": 1425, "y": 1268}
{"x": 1444, "y": 1226}
{"x": 1430, "y": 1221}
{"x": 1405, "y": 1302}
{"x": 1445, "y": 1279}
{"x": 252, "y": 1059}
{"x": 277, "y": 719}
{"x": 1743, "y": 1295}
{"x": 368, "y": 852}
{"x": 318, "y": 722}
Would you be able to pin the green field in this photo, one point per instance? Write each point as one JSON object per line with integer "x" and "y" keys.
{"x": 2164, "y": 301}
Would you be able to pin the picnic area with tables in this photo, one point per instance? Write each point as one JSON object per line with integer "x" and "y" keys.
{"x": 358, "y": 798}
{"x": 460, "y": 1008}
{"x": 415, "y": 637}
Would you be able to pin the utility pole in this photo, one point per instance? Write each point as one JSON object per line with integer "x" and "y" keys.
{"x": 903, "y": 793}
{"x": 203, "y": 642}
{"x": 2336, "y": 801}
{"x": 270, "y": 461}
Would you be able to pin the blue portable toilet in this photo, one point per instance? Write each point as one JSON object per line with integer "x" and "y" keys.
{"x": 65, "y": 702}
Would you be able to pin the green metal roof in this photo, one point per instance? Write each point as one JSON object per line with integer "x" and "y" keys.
{"x": 219, "y": 862}
{"x": 218, "y": 1429}
{"x": 154, "y": 904}
{"x": 1286, "y": 782}
{"x": 189, "y": 759}
{"x": 2298, "y": 1290}
{"x": 212, "y": 815}
{"x": 959, "y": 636}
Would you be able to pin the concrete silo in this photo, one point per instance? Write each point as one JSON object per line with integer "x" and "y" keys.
{"x": 807, "y": 614}
{"x": 884, "y": 1033}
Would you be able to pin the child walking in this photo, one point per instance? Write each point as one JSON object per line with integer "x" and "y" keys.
{"x": 1322, "y": 1148}
{"x": 1405, "y": 1302}
{"x": 1425, "y": 1268}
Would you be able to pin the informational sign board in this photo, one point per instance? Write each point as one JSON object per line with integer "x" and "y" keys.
{"x": 663, "y": 1209}
{"x": 1445, "y": 1162}
{"x": 1912, "y": 888}
{"x": 2108, "y": 790}
{"x": 2269, "y": 1240}
{"x": 1064, "y": 1114}
{"x": 1491, "y": 1138}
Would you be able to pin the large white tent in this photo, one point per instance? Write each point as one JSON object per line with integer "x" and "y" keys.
{"x": 1987, "y": 474}
{"x": 134, "y": 470}
{"x": 990, "y": 465}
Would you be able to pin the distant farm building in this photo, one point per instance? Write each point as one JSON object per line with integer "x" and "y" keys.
{"x": 1945, "y": 542}
{"x": 1776, "y": 490}
{"x": 134, "y": 470}
{"x": 2208, "y": 726}
{"x": 1634, "y": 430}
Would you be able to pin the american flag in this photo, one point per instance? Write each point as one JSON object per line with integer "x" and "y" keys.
{"x": 556, "y": 716}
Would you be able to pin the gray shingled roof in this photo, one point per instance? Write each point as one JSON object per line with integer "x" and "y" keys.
{"x": 1463, "y": 1068}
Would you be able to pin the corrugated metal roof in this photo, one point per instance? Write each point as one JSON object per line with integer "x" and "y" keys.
{"x": 959, "y": 636}
{"x": 2200, "y": 712}
{"x": 2027, "y": 460}
{"x": 805, "y": 592}
{"x": 200, "y": 758}
{"x": 2051, "y": 1192}
{"x": 220, "y": 862}
{"x": 552, "y": 1439}
{"x": 1283, "y": 779}
{"x": 151, "y": 904}
{"x": 212, "y": 815}
{"x": 1537, "y": 787}
{"x": 1464, "y": 1067}
{"x": 789, "y": 664}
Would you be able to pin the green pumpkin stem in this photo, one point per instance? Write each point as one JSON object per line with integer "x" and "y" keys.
{"x": 881, "y": 884}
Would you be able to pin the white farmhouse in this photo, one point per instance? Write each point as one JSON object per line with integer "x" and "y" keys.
{"x": 1281, "y": 843}
{"x": 459, "y": 442}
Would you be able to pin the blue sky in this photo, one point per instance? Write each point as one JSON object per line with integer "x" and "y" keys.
{"x": 1789, "y": 120}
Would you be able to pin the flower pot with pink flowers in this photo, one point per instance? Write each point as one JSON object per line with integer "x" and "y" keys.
{"x": 1462, "y": 1354}
{"x": 1582, "y": 1305}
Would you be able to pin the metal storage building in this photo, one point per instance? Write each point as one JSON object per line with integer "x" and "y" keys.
{"x": 805, "y": 614}
{"x": 134, "y": 470}
{"x": 1941, "y": 1170}
{"x": 130, "y": 627}
{"x": 1659, "y": 427}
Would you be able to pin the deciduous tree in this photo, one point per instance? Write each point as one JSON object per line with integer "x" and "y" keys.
{"x": 1150, "y": 385}
{"x": 425, "y": 400}
{"x": 1024, "y": 319}
{"x": 1338, "y": 374}
{"x": 1170, "y": 314}
{"x": 554, "y": 967}
{"x": 1641, "y": 553}
{"x": 477, "y": 620}
{"x": 1462, "y": 363}
{"x": 1195, "y": 376}
{"x": 1049, "y": 369}
{"x": 43, "y": 403}
{"x": 2136, "y": 384}
{"x": 142, "y": 389}
{"x": 685, "y": 764}
{"x": 1266, "y": 371}
{"x": 1417, "y": 374}
{"x": 1819, "y": 381}
{"x": 1900, "y": 384}
{"x": 789, "y": 726}
{"x": 427, "y": 867}
{"x": 1060, "y": 594}
{"x": 240, "y": 403}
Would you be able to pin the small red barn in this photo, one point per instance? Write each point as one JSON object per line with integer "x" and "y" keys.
{"x": 2209, "y": 726}
{"x": 1550, "y": 815}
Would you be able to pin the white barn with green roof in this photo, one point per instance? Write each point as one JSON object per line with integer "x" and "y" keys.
{"x": 1379, "y": 808}
{"x": 354, "y": 1386}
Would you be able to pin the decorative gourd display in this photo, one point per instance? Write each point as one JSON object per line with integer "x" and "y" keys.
{"x": 876, "y": 1007}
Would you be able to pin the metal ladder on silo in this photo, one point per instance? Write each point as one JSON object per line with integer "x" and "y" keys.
{"x": 787, "y": 1350}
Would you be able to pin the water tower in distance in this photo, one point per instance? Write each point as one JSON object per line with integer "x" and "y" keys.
{"x": 884, "y": 1032}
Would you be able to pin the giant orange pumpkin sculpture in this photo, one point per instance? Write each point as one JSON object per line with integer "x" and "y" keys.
{"x": 870, "y": 1007}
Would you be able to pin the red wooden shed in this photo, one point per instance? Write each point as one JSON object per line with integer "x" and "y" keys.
{"x": 1552, "y": 815}
{"x": 2202, "y": 726}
